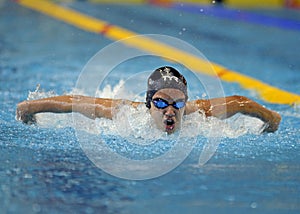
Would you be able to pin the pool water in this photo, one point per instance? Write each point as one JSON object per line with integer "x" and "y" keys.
{"x": 44, "y": 167}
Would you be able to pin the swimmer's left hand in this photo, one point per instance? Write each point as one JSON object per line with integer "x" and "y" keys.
{"x": 273, "y": 124}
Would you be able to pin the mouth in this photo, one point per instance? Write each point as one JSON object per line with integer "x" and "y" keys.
{"x": 170, "y": 124}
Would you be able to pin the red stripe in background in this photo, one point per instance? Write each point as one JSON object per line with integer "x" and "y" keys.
{"x": 105, "y": 29}
{"x": 221, "y": 73}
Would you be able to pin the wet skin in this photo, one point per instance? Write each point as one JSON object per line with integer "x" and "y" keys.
{"x": 169, "y": 118}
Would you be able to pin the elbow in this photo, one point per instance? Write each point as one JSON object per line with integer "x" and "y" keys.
{"x": 240, "y": 99}
{"x": 242, "y": 104}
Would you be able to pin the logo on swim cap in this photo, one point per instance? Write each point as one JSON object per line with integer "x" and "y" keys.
{"x": 167, "y": 75}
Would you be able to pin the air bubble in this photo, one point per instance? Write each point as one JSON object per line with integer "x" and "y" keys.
{"x": 253, "y": 205}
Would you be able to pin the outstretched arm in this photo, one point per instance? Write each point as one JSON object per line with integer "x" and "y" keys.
{"x": 88, "y": 106}
{"x": 229, "y": 106}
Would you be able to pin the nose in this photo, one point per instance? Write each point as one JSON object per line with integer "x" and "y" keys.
{"x": 170, "y": 111}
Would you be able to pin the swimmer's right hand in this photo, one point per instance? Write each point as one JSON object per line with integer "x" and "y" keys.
{"x": 23, "y": 113}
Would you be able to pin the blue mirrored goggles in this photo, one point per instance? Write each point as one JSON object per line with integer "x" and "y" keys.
{"x": 161, "y": 103}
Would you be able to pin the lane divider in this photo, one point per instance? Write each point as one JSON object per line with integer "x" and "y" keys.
{"x": 266, "y": 92}
{"x": 238, "y": 15}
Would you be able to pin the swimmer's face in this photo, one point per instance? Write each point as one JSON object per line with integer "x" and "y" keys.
{"x": 167, "y": 109}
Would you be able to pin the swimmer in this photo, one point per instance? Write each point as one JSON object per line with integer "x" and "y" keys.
{"x": 166, "y": 99}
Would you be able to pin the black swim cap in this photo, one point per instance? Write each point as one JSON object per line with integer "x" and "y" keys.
{"x": 165, "y": 77}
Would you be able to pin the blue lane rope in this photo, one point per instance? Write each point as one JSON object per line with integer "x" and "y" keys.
{"x": 239, "y": 15}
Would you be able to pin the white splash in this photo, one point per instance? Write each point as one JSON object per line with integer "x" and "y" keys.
{"x": 39, "y": 93}
{"x": 136, "y": 123}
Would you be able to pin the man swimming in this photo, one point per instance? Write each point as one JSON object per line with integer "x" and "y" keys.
{"x": 166, "y": 99}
